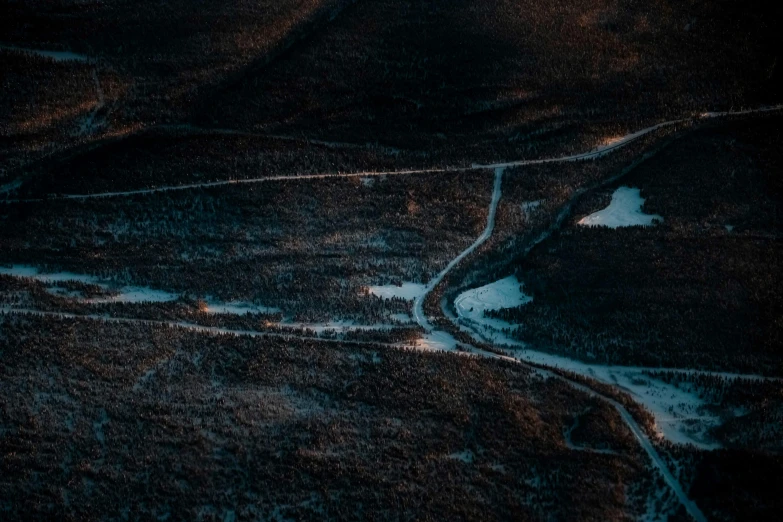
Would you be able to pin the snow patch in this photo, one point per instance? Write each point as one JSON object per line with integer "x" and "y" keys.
{"x": 136, "y": 294}
{"x": 407, "y": 291}
{"x": 335, "y": 326}
{"x": 403, "y": 318}
{"x": 529, "y": 207}
{"x": 10, "y": 187}
{"x": 436, "y": 341}
{"x": 465, "y": 456}
{"x": 122, "y": 294}
{"x": 471, "y": 305}
{"x": 505, "y": 293}
{"x": 680, "y": 416}
{"x": 625, "y": 210}
{"x": 126, "y": 294}
{"x": 52, "y": 277}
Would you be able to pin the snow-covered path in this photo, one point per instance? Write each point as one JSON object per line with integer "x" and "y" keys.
{"x": 592, "y": 154}
{"x": 658, "y": 462}
{"x": 603, "y": 150}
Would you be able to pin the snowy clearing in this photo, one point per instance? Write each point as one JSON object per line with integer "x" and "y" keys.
{"x": 409, "y": 291}
{"x": 505, "y": 293}
{"x": 211, "y": 330}
{"x": 139, "y": 294}
{"x": 595, "y": 153}
{"x": 34, "y": 273}
{"x": 680, "y": 417}
{"x": 120, "y": 294}
{"x": 238, "y": 308}
{"x": 436, "y": 341}
{"x": 334, "y": 326}
{"x": 625, "y": 210}
{"x": 136, "y": 294}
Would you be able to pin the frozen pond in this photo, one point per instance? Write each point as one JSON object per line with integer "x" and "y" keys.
{"x": 625, "y": 210}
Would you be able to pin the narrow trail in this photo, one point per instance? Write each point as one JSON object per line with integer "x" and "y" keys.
{"x": 57, "y": 56}
{"x": 644, "y": 441}
{"x": 210, "y": 330}
{"x": 592, "y": 154}
{"x": 418, "y": 311}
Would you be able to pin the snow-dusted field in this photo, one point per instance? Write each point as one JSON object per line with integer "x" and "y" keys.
{"x": 409, "y": 291}
{"x": 625, "y": 210}
{"x": 238, "y": 308}
{"x": 138, "y": 294}
{"x": 505, "y": 293}
{"x": 120, "y": 294}
{"x": 680, "y": 416}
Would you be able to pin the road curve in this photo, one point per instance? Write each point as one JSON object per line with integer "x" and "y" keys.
{"x": 418, "y": 303}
